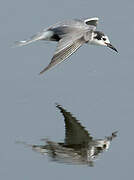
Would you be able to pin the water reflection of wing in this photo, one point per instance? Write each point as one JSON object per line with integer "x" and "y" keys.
{"x": 75, "y": 133}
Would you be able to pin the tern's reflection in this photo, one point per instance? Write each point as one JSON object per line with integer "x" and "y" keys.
{"x": 79, "y": 146}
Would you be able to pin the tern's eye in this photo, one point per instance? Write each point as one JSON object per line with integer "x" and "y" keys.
{"x": 104, "y": 146}
{"x": 104, "y": 39}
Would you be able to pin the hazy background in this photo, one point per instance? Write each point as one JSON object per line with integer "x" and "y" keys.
{"x": 96, "y": 84}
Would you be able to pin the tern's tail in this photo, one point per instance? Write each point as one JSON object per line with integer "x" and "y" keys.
{"x": 38, "y": 148}
{"x": 45, "y": 35}
{"x": 24, "y": 143}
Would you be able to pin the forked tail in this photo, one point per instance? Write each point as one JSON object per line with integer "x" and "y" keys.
{"x": 45, "y": 35}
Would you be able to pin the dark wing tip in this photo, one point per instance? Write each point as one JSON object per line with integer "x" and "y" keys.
{"x": 50, "y": 65}
{"x": 59, "y": 106}
{"x": 43, "y": 71}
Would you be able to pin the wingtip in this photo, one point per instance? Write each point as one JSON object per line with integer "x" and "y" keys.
{"x": 44, "y": 70}
{"x": 40, "y": 73}
{"x": 58, "y": 105}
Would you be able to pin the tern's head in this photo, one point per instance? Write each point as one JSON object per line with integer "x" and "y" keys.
{"x": 101, "y": 39}
{"x": 103, "y": 144}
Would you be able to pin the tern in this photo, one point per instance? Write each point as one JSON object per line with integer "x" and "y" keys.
{"x": 70, "y": 35}
{"x": 79, "y": 147}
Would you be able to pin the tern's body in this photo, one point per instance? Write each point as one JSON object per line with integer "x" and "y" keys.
{"x": 70, "y": 35}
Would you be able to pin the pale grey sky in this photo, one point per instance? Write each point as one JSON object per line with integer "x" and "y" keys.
{"x": 95, "y": 84}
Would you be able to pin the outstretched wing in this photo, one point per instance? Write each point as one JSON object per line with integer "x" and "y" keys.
{"x": 66, "y": 47}
{"x": 92, "y": 22}
{"x": 75, "y": 133}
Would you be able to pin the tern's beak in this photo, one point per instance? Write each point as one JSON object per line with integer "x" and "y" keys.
{"x": 111, "y": 46}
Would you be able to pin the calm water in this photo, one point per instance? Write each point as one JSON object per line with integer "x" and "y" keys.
{"x": 95, "y": 84}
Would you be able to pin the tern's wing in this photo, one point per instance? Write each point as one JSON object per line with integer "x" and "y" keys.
{"x": 92, "y": 22}
{"x": 66, "y": 47}
{"x": 75, "y": 132}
